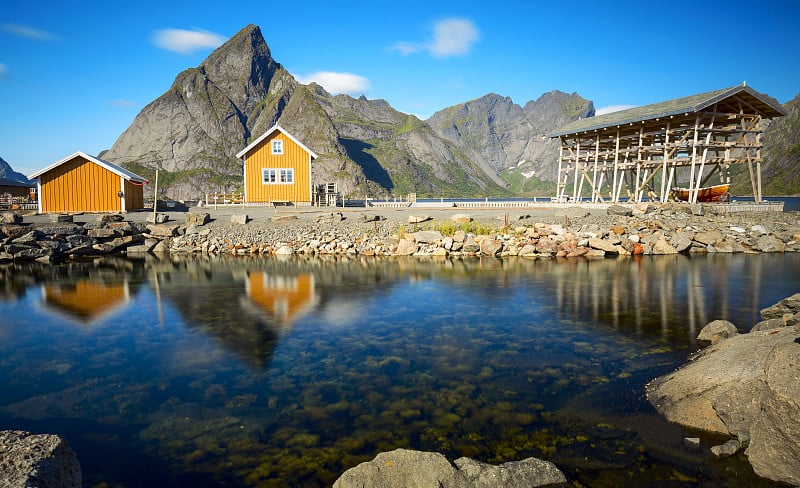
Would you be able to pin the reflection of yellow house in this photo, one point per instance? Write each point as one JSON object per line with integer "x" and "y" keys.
{"x": 282, "y": 297}
{"x": 86, "y": 301}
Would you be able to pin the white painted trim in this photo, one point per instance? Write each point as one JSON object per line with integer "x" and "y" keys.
{"x": 266, "y": 134}
{"x": 128, "y": 175}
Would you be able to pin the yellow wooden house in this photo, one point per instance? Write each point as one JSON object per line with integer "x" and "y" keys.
{"x": 277, "y": 169}
{"x": 84, "y": 183}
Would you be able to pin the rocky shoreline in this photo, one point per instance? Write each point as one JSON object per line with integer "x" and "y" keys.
{"x": 746, "y": 387}
{"x": 644, "y": 229}
{"x": 753, "y": 395}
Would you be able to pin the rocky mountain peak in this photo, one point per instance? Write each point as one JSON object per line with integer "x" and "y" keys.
{"x": 242, "y": 68}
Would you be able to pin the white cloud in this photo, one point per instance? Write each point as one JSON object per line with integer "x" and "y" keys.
{"x": 121, "y": 103}
{"x": 612, "y": 108}
{"x": 186, "y": 41}
{"x": 451, "y": 37}
{"x": 29, "y": 32}
{"x": 406, "y": 48}
{"x": 336, "y": 83}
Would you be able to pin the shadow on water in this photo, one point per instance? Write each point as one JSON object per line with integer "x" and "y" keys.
{"x": 287, "y": 372}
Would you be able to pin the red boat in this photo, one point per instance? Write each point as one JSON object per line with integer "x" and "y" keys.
{"x": 716, "y": 193}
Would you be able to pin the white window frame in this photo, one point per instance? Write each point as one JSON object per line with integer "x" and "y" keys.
{"x": 269, "y": 176}
{"x": 277, "y": 176}
{"x": 277, "y": 147}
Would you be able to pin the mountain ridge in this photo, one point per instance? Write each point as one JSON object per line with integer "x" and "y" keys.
{"x": 193, "y": 131}
{"x": 488, "y": 146}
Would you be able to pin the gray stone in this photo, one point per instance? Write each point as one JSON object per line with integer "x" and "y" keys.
{"x": 65, "y": 229}
{"x": 60, "y": 218}
{"x": 745, "y": 386}
{"x": 716, "y": 331}
{"x": 619, "y": 210}
{"x": 490, "y": 247}
{"x": 418, "y": 219}
{"x": 278, "y": 218}
{"x": 31, "y": 254}
{"x": 102, "y": 233}
{"x": 697, "y": 209}
{"x": 399, "y": 468}
{"x": 708, "y": 237}
{"x": 787, "y": 306}
{"x": 331, "y": 217}
{"x": 163, "y": 230}
{"x": 406, "y": 247}
{"x": 461, "y": 218}
{"x": 769, "y": 243}
{"x": 241, "y": 219}
{"x": 107, "y": 218}
{"x": 161, "y": 247}
{"x": 284, "y": 251}
{"x": 37, "y": 460}
{"x": 76, "y": 240}
{"x": 726, "y": 450}
{"x": 769, "y": 324}
{"x": 10, "y": 218}
{"x": 661, "y": 246}
{"x": 416, "y": 469}
{"x": 14, "y": 231}
{"x": 470, "y": 246}
{"x": 681, "y": 242}
{"x": 692, "y": 443}
{"x": 158, "y": 218}
{"x": 197, "y": 218}
{"x": 28, "y": 239}
{"x": 369, "y": 218}
{"x": 528, "y": 472}
{"x": 603, "y": 245}
{"x": 428, "y": 236}
{"x": 774, "y": 447}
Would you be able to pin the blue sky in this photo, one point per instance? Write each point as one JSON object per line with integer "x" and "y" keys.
{"x": 73, "y": 75}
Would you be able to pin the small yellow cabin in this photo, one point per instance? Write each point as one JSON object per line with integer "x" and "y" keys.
{"x": 277, "y": 168}
{"x": 84, "y": 183}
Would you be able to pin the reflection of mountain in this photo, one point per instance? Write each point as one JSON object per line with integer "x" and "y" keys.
{"x": 208, "y": 296}
{"x": 282, "y": 297}
{"x": 85, "y": 301}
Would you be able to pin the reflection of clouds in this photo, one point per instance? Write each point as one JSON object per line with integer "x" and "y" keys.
{"x": 341, "y": 313}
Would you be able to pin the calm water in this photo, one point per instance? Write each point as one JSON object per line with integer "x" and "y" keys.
{"x": 285, "y": 373}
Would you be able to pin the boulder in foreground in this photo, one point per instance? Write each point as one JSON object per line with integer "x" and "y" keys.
{"x": 745, "y": 386}
{"x": 417, "y": 469}
{"x": 37, "y": 460}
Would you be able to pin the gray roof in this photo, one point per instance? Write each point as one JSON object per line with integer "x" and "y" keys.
{"x": 767, "y": 106}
